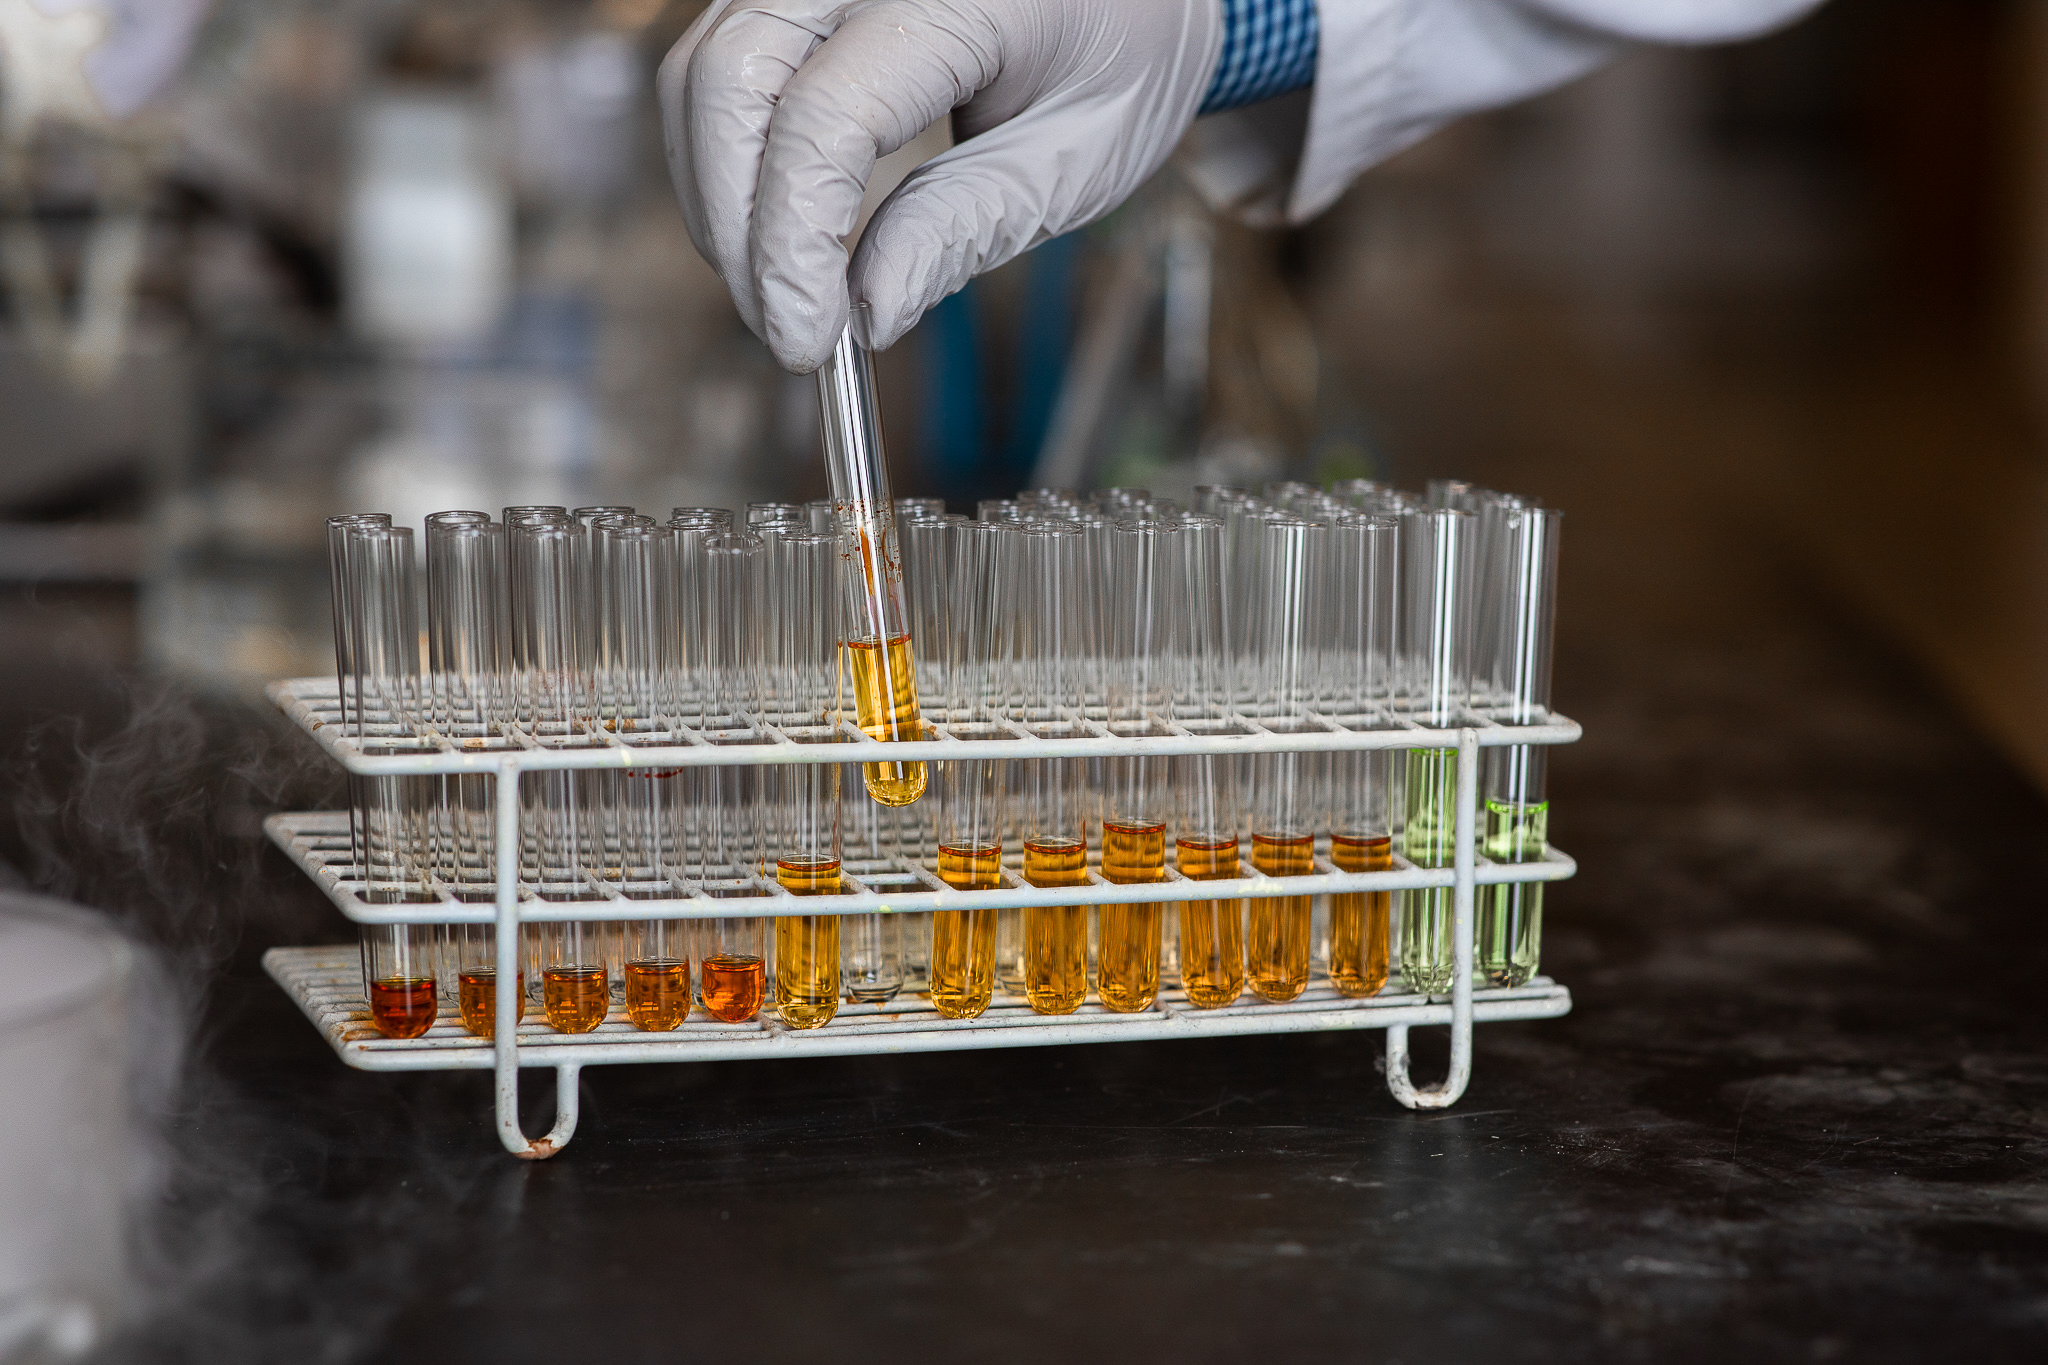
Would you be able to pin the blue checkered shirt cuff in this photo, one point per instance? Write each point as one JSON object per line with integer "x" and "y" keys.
{"x": 1269, "y": 48}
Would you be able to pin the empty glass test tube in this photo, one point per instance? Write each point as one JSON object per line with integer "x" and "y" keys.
{"x": 1509, "y": 924}
{"x": 1286, "y": 796}
{"x": 1436, "y": 646}
{"x": 1144, "y": 619}
{"x": 876, "y": 651}
{"x": 1363, "y": 557}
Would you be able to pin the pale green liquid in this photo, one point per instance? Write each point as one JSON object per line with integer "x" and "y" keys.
{"x": 1509, "y": 919}
{"x": 1429, "y": 841}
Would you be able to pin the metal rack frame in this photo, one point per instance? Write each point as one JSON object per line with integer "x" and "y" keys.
{"x": 327, "y": 986}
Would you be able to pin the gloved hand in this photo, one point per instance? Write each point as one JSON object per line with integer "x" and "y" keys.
{"x": 775, "y": 112}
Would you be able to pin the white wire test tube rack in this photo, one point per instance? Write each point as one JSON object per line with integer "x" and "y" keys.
{"x": 327, "y": 983}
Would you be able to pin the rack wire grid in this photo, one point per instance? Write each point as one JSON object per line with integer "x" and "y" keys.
{"x": 326, "y": 982}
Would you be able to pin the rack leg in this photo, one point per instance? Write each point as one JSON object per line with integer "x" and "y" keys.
{"x": 1464, "y": 861}
{"x": 515, "y": 1140}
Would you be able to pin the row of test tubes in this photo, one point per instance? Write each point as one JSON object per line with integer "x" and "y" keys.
{"x": 1046, "y": 615}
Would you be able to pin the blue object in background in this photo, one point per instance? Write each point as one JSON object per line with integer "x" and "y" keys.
{"x": 973, "y": 450}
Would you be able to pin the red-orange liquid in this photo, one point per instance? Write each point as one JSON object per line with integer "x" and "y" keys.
{"x": 402, "y": 1006}
{"x": 576, "y": 998}
{"x": 658, "y": 993}
{"x": 1359, "y": 935}
{"x": 478, "y": 992}
{"x": 733, "y": 986}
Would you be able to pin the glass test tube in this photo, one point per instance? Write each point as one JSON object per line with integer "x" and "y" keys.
{"x": 1363, "y": 556}
{"x": 732, "y": 951}
{"x": 804, "y": 680}
{"x": 1144, "y": 619}
{"x": 1509, "y": 925}
{"x": 1436, "y": 646}
{"x": 963, "y": 949}
{"x": 1286, "y": 800}
{"x": 965, "y": 943}
{"x": 638, "y": 621}
{"x": 1046, "y": 577}
{"x": 401, "y": 962}
{"x": 1206, "y": 824}
{"x": 875, "y": 626}
{"x": 466, "y": 645}
{"x": 803, "y": 646}
{"x": 563, "y": 851}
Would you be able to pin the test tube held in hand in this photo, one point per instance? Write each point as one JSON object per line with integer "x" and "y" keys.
{"x": 875, "y": 644}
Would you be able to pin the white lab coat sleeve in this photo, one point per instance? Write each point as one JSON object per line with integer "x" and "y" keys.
{"x": 1390, "y": 72}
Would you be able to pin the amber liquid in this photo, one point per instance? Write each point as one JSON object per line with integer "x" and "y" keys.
{"x": 1056, "y": 936}
{"x": 733, "y": 986}
{"x": 963, "y": 957}
{"x": 402, "y": 1006}
{"x": 1127, "y": 941}
{"x": 658, "y": 993}
{"x": 478, "y": 992}
{"x": 1359, "y": 935}
{"x": 1211, "y": 932}
{"x": 807, "y": 946}
{"x": 885, "y": 707}
{"x": 1279, "y": 940}
{"x": 576, "y": 998}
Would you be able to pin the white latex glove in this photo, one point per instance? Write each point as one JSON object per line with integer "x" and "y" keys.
{"x": 775, "y": 112}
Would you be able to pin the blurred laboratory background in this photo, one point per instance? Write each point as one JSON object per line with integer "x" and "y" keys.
{"x": 1769, "y": 321}
{"x": 415, "y": 254}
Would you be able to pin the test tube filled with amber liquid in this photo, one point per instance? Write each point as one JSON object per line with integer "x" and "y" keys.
{"x": 963, "y": 948}
{"x": 1206, "y": 826}
{"x": 474, "y": 950}
{"x": 807, "y": 980}
{"x": 1043, "y": 597}
{"x": 1144, "y": 620}
{"x": 400, "y": 967}
{"x": 876, "y": 656}
{"x": 1363, "y": 551}
{"x": 1286, "y": 605}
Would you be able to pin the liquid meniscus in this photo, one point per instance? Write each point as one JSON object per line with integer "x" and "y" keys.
{"x": 1056, "y": 936}
{"x": 732, "y": 987}
{"x": 971, "y": 867}
{"x": 1359, "y": 919}
{"x": 658, "y": 993}
{"x": 576, "y": 998}
{"x": 478, "y": 994}
{"x": 1278, "y": 956}
{"x": 403, "y": 1006}
{"x": 1211, "y": 932}
{"x": 883, "y": 676}
{"x": 1133, "y": 851}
